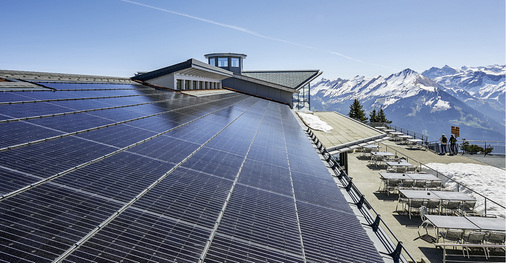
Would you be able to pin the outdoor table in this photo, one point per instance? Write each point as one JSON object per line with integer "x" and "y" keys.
{"x": 414, "y": 142}
{"x": 399, "y": 176}
{"x": 399, "y": 165}
{"x": 396, "y": 133}
{"x": 380, "y": 127}
{"x": 488, "y": 223}
{"x": 379, "y": 156}
{"x": 389, "y": 130}
{"x": 417, "y": 194}
{"x": 454, "y": 196}
{"x": 455, "y": 222}
{"x": 427, "y": 177}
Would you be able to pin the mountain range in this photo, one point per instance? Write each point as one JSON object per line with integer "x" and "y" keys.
{"x": 472, "y": 98}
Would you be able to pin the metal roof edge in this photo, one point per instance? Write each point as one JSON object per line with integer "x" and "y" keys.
{"x": 317, "y": 74}
{"x": 59, "y": 77}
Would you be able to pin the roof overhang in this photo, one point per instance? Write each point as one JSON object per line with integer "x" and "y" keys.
{"x": 190, "y": 67}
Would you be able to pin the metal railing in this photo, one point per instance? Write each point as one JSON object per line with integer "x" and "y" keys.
{"x": 392, "y": 244}
{"x": 460, "y": 186}
{"x": 498, "y": 147}
{"x": 415, "y": 135}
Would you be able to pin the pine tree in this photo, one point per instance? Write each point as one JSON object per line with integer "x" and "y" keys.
{"x": 373, "y": 117}
{"x": 382, "y": 117}
{"x": 356, "y": 111}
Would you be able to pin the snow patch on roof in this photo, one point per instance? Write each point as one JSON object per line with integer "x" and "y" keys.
{"x": 314, "y": 122}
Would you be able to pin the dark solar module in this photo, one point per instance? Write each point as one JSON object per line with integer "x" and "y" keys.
{"x": 311, "y": 166}
{"x": 24, "y": 132}
{"x": 136, "y": 236}
{"x": 121, "y": 176}
{"x": 219, "y": 163}
{"x": 68, "y": 86}
{"x": 120, "y": 135}
{"x": 225, "y": 249}
{"x": 261, "y": 217}
{"x": 45, "y": 221}
{"x": 266, "y": 176}
{"x": 116, "y": 115}
{"x": 12, "y": 96}
{"x": 54, "y": 156}
{"x": 72, "y": 122}
{"x": 187, "y": 195}
{"x": 334, "y": 236}
{"x": 274, "y": 154}
{"x": 11, "y": 181}
{"x": 156, "y": 124}
{"x": 319, "y": 191}
{"x": 166, "y": 149}
{"x": 31, "y": 109}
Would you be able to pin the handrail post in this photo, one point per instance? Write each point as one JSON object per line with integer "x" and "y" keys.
{"x": 375, "y": 224}
{"x": 396, "y": 254}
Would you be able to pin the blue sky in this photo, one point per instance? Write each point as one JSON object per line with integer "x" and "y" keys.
{"x": 342, "y": 38}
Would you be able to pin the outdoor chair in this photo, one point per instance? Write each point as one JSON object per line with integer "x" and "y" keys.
{"x": 435, "y": 184}
{"x": 425, "y": 221}
{"x": 422, "y": 184}
{"x": 433, "y": 206}
{"x": 453, "y": 236}
{"x": 467, "y": 207}
{"x": 451, "y": 206}
{"x": 475, "y": 237}
{"x": 393, "y": 184}
{"x": 406, "y": 184}
{"x": 401, "y": 201}
{"x": 414, "y": 204}
{"x": 495, "y": 238}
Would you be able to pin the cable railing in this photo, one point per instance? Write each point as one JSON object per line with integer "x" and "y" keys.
{"x": 459, "y": 186}
{"x": 496, "y": 147}
{"x": 392, "y": 244}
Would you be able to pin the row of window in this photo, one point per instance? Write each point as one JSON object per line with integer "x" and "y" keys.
{"x": 223, "y": 62}
{"x": 183, "y": 84}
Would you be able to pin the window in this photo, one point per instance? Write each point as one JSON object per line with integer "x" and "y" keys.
{"x": 212, "y": 61}
{"x": 235, "y": 62}
{"x": 222, "y": 62}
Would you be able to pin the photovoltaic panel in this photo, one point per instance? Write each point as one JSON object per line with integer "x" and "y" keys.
{"x": 188, "y": 196}
{"x": 72, "y": 122}
{"x": 263, "y": 218}
{"x": 42, "y": 223}
{"x": 226, "y": 249}
{"x": 121, "y": 176}
{"x": 51, "y": 157}
{"x": 67, "y": 86}
{"x": 334, "y": 236}
{"x": 219, "y": 163}
{"x": 136, "y": 236}
{"x": 11, "y": 181}
{"x": 25, "y": 132}
{"x": 266, "y": 176}
{"x": 31, "y": 109}
{"x": 120, "y": 135}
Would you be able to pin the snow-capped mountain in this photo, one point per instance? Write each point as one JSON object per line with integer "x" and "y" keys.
{"x": 482, "y": 88}
{"x": 412, "y": 101}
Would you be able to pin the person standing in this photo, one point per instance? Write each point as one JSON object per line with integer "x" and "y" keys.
{"x": 453, "y": 145}
{"x": 443, "y": 141}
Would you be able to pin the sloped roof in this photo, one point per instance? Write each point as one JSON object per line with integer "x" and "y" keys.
{"x": 294, "y": 79}
{"x": 110, "y": 172}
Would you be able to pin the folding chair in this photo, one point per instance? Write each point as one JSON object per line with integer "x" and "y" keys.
{"x": 475, "y": 237}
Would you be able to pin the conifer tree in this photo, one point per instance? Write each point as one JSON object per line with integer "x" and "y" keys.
{"x": 382, "y": 117}
{"x": 373, "y": 117}
{"x": 356, "y": 111}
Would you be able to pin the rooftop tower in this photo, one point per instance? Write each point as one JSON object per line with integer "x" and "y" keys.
{"x": 229, "y": 61}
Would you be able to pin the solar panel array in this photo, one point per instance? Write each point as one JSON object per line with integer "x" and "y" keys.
{"x": 127, "y": 173}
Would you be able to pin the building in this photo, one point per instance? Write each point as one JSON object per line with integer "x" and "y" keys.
{"x": 152, "y": 169}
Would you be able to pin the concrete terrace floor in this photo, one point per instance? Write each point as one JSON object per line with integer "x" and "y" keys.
{"x": 368, "y": 181}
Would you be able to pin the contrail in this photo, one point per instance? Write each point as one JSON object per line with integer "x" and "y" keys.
{"x": 240, "y": 29}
